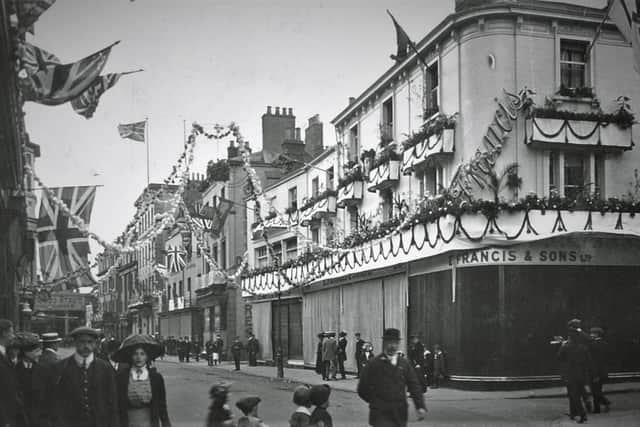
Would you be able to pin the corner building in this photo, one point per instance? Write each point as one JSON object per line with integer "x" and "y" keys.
{"x": 491, "y": 282}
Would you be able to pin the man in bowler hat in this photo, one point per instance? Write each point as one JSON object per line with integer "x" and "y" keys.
{"x": 384, "y": 383}
{"x": 84, "y": 386}
{"x": 575, "y": 360}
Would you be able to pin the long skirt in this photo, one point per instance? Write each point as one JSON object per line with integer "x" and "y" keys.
{"x": 139, "y": 417}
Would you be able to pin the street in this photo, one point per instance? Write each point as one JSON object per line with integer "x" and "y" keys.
{"x": 188, "y": 386}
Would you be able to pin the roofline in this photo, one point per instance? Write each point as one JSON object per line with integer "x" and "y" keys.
{"x": 525, "y": 7}
{"x": 303, "y": 169}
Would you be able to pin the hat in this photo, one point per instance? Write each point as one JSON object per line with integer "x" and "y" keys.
{"x": 27, "y": 341}
{"x": 319, "y": 394}
{"x": 574, "y": 323}
{"x": 391, "y": 334}
{"x": 329, "y": 334}
{"x": 597, "y": 330}
{"x": 301, "y": 395}
{"x": 248, "y": 403}
{"x": 151, "y": 347}
{"x": 84, "y": 330}
{"x": 219, "y": 390}
{"x": 343, "y": 334}
{"x": 112, "y": 346}
{"x": 50, "y": 337}
{"x": 321, "y": 335}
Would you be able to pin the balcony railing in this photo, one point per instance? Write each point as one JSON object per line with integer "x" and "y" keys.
{"x": 434, "y": 147}
{"x": 384, "y": 176}
{"x": 350, "y": 194}
{"x": 321, "y": 208}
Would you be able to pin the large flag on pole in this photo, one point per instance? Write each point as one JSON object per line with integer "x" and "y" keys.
{"x": 404, "y": 42}
{"x": 87, "y": 102}
{"x": 134, "y": 131}
{"x": 626, "y": 15}
{"x": 55, "y": 84}
{"x": 35, "y": 59}
{"x": 62, "y": 248}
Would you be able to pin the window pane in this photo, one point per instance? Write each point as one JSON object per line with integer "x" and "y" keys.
{"x": 574, "y": 174}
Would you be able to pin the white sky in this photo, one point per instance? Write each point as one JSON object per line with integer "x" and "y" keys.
{"x": 206, "y": 61}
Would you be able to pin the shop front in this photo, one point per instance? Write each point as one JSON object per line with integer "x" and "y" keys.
{"x": 213, "y": 301}
{"x": 185, "y": 322}
{"x": 496, "y": 310}
{"x": 279, "y": 322}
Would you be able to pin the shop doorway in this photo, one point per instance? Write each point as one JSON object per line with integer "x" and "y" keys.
{"x": 288, "y": 317}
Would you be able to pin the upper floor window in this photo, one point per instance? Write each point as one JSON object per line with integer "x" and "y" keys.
{"x": 432, "y": 180}
{"x": 315, "y": 186}
{"x": 223, "y": 253}
{"x": 261, "y": 256}
{"x": 293, "y": 198}
{"x": 329, "y": 185}
{"x": 315, "y": 235}
{"x": 431, "y": 105}
{"x": 576, "y": 174}
{"x": 353, "y": 143}
{"x": 573, "y": 64}
{"x": 292, "y": 248}
{"x": 387, "y": 204}
{"x": 386, "y": 127}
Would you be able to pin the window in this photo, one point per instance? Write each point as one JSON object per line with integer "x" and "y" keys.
{"x": 223, "y": 253}
{"x": 353, "y": 219}
{"x": 314, "y": 186}
{"x": 261, "y": 256}
{"x": 277, "y": 253}
{"x": 181, "y": 288}
{"x": 386, "y": 129}
{"x": 576, "y": 174}
{"x": 329, "y": 185}
{"x": 387, "y": 204}
{"x": 222, "y": 193}
{"x": 292, "y": 248}
{"x": 189, "y": 285}
{"x": 214, "y": 252}
{"x": 573, "y": 63}
{"x": 353, "y": 144}
{"x": 431, "y": 105}
{"x": 293, "y": 198}
{"x": 432, "y": 181}
{"x": 315, "y": 235}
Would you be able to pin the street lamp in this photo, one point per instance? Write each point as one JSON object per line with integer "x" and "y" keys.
{"x": 279, "y": 356}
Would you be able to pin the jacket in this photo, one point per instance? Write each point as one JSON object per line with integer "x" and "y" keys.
{"x": 384, "y": 387}
{"x": 236, "y": 348}
{"x": 67, "y": 394}
{"x": 253, "y": 346}
{"x": 320, "y": 417}
{"x": 34, "y": 395}
{"x": 8, "y": 393}
{"x": 342, "y": 348}
{"x": 329, "y": 349}
{"x": 416, "y": 354}
{"x": 159, "y": 414}
{"x": 598, "y": 351}
{"x": 575, "y": 361}
{"x": 359, "y": 351}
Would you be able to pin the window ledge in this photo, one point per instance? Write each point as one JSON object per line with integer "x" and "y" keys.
{"x": 560, "y": 99}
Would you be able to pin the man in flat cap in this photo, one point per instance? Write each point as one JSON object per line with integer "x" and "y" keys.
{"x": 384, "y": 383}
{"x": 342, "y": 353}
{"x": 9, "y": 389}
{"x": 84, "y": 386}
{"x": 598, "y": 351}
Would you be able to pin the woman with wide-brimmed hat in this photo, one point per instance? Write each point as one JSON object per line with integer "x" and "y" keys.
{"x": 141, "y": 391}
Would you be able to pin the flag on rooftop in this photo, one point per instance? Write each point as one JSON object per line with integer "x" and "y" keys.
{"x": 62, "y": 248}
{"x": 55, "y": 84}
{"x": 134, "y": 131}
{"x": 626, "y": 15}
{"x": 29, "y": 11}
{"x": 402, "y": 39}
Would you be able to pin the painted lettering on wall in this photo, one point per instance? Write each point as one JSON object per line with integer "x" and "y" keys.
{"x": 502, "y": 256}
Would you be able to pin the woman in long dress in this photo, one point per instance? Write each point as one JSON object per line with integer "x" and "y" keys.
{"x": 141, "y": 390}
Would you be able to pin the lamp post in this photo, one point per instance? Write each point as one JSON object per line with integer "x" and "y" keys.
{"x": 279, "y": 356}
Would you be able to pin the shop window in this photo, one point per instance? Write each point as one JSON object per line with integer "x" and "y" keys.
{"x": 431, "y": 106}
{"x": 315, "y": 186}
{"x": 261, "y": 256}
{"x": 292, "y": 248}
{"x": 386, "y": 126}
{"x": 329, "y": 185}
{"x": 386, "y": 204}
{"x": 353, "y": 143}
{"x": 293, "y": 198}
{"x": 573, "y": 64}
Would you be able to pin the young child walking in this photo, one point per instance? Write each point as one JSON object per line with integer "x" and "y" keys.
{"x": 249, "y": 407}
{"x": 319, "y": 396}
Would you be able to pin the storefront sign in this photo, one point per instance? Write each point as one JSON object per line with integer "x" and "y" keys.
{"x": 60, "y": 301}
{"x": 520, "y": 256}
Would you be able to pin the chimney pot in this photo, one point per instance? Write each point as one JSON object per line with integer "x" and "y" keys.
{"x": 268, "y": 109}
{"x": 291, "y": 111}
{"x": 297, "y": 134}
{"x": 352, "y": 100}
{"x": 277, "y": 111}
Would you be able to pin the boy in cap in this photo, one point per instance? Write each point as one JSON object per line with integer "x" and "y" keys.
{"x": 319, "y": 396}
{"x": 84, "y": 386}
{"x": 302, "y": 415}
{"x": 249, "y": 407}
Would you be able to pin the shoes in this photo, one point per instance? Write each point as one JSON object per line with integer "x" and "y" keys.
{"x": 588, "y": 405}
{"x": 583, "y": 419}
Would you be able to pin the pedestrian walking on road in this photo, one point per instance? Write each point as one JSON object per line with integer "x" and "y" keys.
{"x": 342, "y": 354}
{"x": 84, "y": 387}
{"x": 218, "y": 350}
{"x": 141, "y": 390}
{"x": 416, "y": 357}
{"x": 384, "y": 384}
{"x": 439, "y": 365}
{"x": 319, "y": 365}
{"x": 584, "y": 339}
{"x": 187, "y": 345}
{"x": 575, "y": 361}
{"x": 209, "y": 348}
{"x": 319, "y": 396}
{"x": 249, "y": 408}
{"x": 359, "y": 354}
{"x": 236, "y": 352}
{"x": 598, "y": 350}
{"x": 180, "y": 349}
{"x": 219, "y": 412}
{"x": 9, "y": 389}
{"x": 330, "y": 356}
{"x": 253, "y": 348}
{"x": 302, "y": 415}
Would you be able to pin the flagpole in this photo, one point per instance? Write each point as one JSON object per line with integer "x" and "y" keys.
{"x": 146, "y": 140}
{"x": 599, "y": 30}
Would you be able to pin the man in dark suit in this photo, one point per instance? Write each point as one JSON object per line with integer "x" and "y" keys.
{"x": 236, "y": 351}
{"x": 342, "y": 354}
{"x": 32, "y": 380}
{"x": 599, "y": 372}
{"x": 208, "y": 348}
{"x": 415, "y": 354}
{"x": 253, "y": 348}
{"x": 575, "y": 360}
{"x": 384, "y": 383}
{"x": 84, "y": 386}
{"x": 359, "y": 356}
{"x": 9, "y": 384}
{"x": 110, "y": 348}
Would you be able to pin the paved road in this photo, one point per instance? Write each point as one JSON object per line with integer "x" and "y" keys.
{"x": 188, "y": 386}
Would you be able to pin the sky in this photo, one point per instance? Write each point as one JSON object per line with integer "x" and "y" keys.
{"x": 213, "y": 61}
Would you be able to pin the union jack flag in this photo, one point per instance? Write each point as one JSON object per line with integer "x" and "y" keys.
{"x": 62, "y": 248}
{"x": 30, "y": 10}
{"x": 87, "y": 102}
{"x": 175, "y": 259}
{"x": 134, "y": 131}
{"x": 35, "y": 59}
{"x": 55, "y": 84}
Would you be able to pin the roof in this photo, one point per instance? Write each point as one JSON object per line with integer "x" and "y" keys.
{"x": 302, "y": 169}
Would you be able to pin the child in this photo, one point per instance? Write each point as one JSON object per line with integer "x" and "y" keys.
{"x": 219, "y": 412}
{"x": 319, "y": 396}
{"x": 302, "y": 416}
{"x": 249, "y": 407}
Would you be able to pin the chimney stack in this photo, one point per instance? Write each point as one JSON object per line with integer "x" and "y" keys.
{"x": 313, "y": 138}
{"x": 352, "y": 100}
{"x": 291, "y": 111}
{"x": 269, "y": 109}
{"x": 298, "y": 134}
{"x": 232, "y": 150}
{"x": 276, "y": 128}
{"x": 277, "y": 111}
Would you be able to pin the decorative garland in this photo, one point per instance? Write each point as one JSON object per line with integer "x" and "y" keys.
{"x": 352, "y": 175}
{"x": 309, "y": 202}
{"x": 622, "y": 117}
{"x": 435, "y": 126}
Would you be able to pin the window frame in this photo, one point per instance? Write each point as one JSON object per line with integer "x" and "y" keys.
{"x": 293, "y": 197}
{"x": 588, "y": 70}
{"x": 433, "y": 64}
{"x": 354, "y": 142}
{"x": 594, "y": 172}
